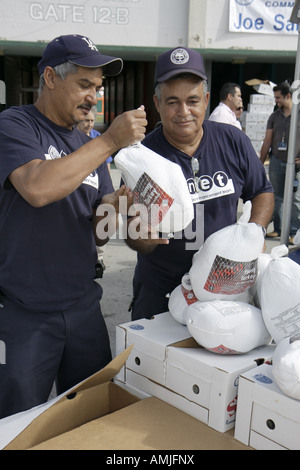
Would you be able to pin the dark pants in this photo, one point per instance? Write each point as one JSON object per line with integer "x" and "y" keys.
{"x": 147, "y": 302}
{"x": 67, "y": 346}
{"x": 277, "y": 172}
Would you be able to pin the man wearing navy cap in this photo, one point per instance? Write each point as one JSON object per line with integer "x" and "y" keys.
{"x": 51, "y": 183}
{"x": 220, "y": 167}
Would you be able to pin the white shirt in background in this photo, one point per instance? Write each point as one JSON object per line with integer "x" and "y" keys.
{"x": 222, "y": 113}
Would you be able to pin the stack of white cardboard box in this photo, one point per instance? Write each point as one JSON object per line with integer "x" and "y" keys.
{"x": 166, "y": 362}
{"x": 261, "y": 105}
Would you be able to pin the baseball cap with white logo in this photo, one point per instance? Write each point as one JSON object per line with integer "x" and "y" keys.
{"x": 79, "y": 50}
{"x": 179, "y": 60}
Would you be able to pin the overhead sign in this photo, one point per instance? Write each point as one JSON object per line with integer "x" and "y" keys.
{"x": 138, "y": 23}
{"x": 262, "y": 16}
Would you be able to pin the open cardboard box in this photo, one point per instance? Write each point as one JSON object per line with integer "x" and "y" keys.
{"x": 265, "y": 87}
{"x": 94, "y": 397}
{"x": 98, "y": 414}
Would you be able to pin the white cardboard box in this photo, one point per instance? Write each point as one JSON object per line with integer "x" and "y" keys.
{"x": 256, "y": 118}
{"x": 254, "y": 136}
{"x": 258, "y": 128}
{"x": 264, "y": 89}
{"x": 142, "y": 383}
{"x": 211, "y": 380}
{"x": 260, "y": 108}
{"x": 170, "y": 365}
{"x": 150, "y": 339}
{"x": 267, "y": 419}
{"x": 257, "y": 145}
{"x": 262, "y": 99}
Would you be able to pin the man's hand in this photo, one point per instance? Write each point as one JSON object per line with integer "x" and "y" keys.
{"x": 142, "y": 237}
{"x": 127, "y": 129}
{"x": 121, "y": 200}
{"x": 106, "y": 218}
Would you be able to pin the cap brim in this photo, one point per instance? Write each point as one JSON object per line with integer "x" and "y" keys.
{"x": 111, "y": 65}
{"x": 173, "y": 73}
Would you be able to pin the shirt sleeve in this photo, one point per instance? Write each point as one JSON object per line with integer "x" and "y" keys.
{"x": 19, "y": 144}
{"x": 270, "y": 122}
{"x": 105, "y": 183}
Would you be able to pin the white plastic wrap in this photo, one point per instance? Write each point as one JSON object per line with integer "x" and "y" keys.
{"x": 159, "y": 187}
{"x": 227, "y": 327}
{"x": 286, "y": 367}
{"x": 280, "y": 298}
{"x": 225, "y": 267}
{"x": 181, "y": 297}
{"x": 262, "y": 264}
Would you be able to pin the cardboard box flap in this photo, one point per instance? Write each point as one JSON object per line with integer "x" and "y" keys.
{"x": 265, "y": 87}
{"x": 22, "y": 430}
{"x": 104, "y": 375}
{"x": 256, "y": 81}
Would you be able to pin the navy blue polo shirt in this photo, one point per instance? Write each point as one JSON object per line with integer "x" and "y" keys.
{"x": 47, "y": 254}
{"x": 229, "y": 169}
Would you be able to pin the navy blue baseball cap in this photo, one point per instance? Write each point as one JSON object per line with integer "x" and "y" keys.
{"x": 79, "y": 50}
{"x": 179, "y": 60}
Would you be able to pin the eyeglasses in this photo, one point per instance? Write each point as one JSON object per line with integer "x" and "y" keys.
{"x": 240, "y": 108}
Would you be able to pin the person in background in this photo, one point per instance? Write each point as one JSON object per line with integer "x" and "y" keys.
{"x": 54, "y": 191}
{"x": 275, "y": 145}
{"x": 220, "y": 167}
{"x": 230, "y": 100}
{"x": 238, "y": 112}
{"x": 87, "y": 126}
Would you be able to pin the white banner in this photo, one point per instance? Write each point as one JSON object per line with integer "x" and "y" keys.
{"x": 262, "y": 16}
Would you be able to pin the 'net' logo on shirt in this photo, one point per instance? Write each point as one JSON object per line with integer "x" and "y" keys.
{"x": 210, "y": 187}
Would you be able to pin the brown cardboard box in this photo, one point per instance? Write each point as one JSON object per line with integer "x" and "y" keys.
{"x": 265, "y": 87}
{"x": 98, "y": 414}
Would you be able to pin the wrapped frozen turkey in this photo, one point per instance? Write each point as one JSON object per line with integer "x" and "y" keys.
{"x": 180, "y": 298}
{"x": 296, "y": 240}
{"x": 159, "y": 188}
{"x": 262, "y": 263}
{"x": 286, "y": 366}
{"x": 225, "y": 267}
{"x": 280, "y": 298}
{"x": 227, "y": 326}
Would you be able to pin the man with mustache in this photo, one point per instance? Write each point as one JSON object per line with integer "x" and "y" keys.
{"x": 230, "y": 101}
{"x": 52, "y": 182}
{"x": 220, "y": 167}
